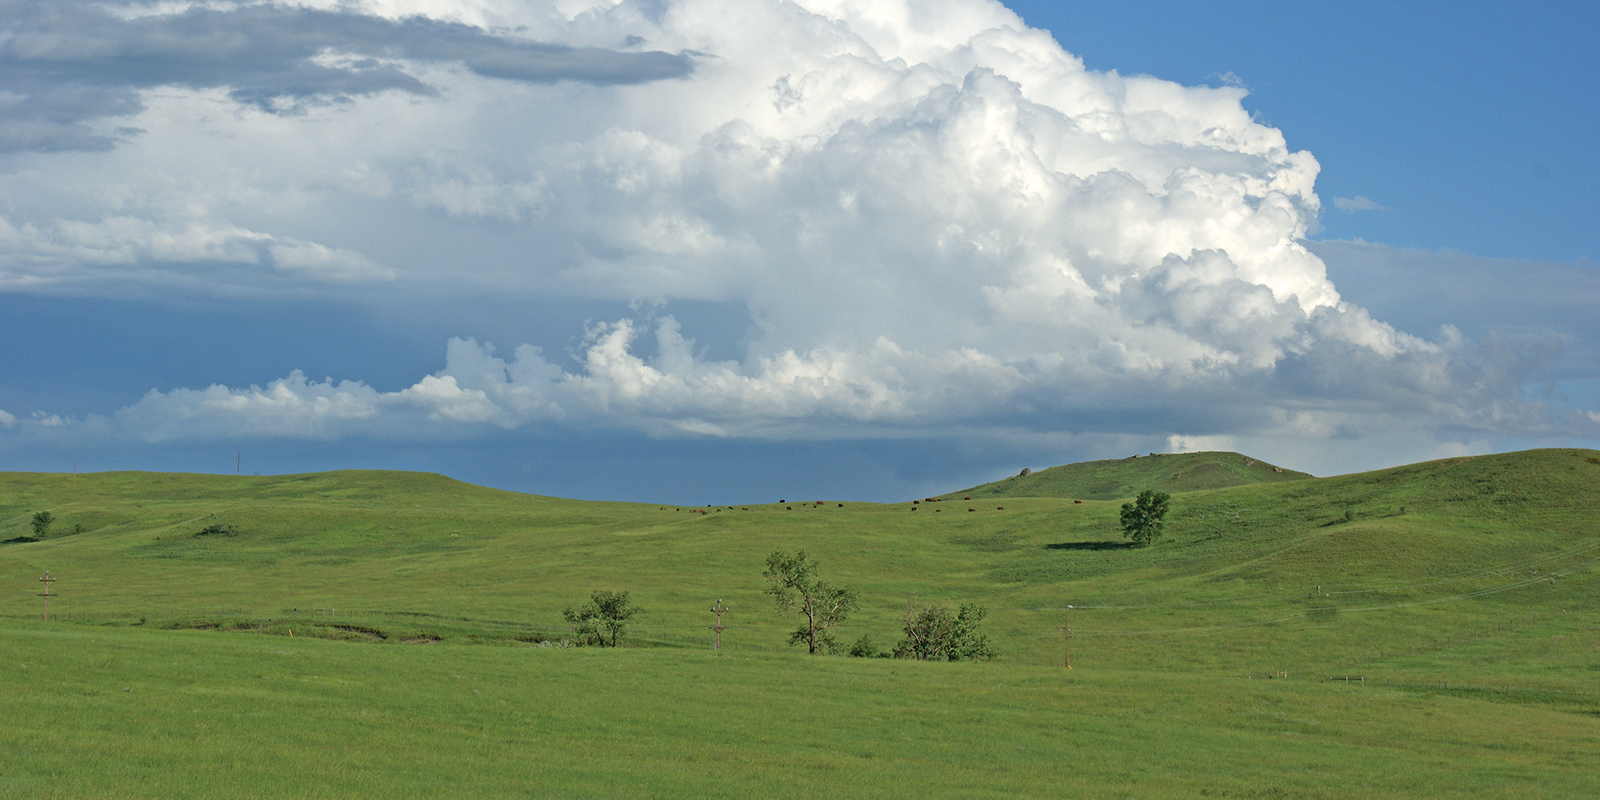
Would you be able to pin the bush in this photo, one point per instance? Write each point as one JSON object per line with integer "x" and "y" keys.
{"x": 864, "y": 647}
{"x": 602, "y": 621}
{"x": 935, "y": 634}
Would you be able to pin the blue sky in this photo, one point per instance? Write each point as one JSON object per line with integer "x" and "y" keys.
{"x": 708, "y": 251}
{"x": 1470, "y": 122}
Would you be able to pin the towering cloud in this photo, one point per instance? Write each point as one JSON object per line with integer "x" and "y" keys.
{"x": 933, "y": 216}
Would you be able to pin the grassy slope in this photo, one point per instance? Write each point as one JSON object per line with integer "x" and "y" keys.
{"x": 1480, "y": 572}
{"x": 1124, "y": 477}
{"x": 122, "y": 713}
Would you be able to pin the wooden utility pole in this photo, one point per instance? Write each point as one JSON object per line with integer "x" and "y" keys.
{"x": 46, "y": 580}
{"x": 719, "y": 609}
{"x": 1066, "y": 629}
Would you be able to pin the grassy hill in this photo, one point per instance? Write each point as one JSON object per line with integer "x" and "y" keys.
{"x": 1459, "y": 594}
{"x": 1124, "y": 477}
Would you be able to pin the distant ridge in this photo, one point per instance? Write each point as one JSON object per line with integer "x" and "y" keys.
{"x": 1124, "y": 477}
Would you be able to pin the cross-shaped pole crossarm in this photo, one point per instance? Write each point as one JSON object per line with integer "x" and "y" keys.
{"x": 719, "y": 609}
{"x": 47, "y": 580}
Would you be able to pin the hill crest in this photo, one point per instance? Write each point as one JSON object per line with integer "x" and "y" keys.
{"x": 1114, "y": 478}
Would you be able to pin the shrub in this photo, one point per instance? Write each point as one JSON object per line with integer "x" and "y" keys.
{"x": 602, "y": 621}
{"x": 935, "y": 634}
{"x": 864, "y": 647}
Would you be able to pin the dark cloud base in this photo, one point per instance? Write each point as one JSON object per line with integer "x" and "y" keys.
{"x": 73, "y": 63}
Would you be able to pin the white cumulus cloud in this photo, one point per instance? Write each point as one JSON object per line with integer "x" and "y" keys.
{"x": 933, "y": 215}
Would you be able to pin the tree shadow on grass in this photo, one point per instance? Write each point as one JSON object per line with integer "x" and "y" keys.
{"x": 1090, "y": 546}
{"x": 19, "y": 540}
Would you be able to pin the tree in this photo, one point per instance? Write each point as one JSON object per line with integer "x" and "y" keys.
{"x": 602, "y": 621}
{"x": 796, "y": 587}
{"x": 41, "y": 524}
{"x": 935, "y": 634}
{"x": 1141, "y": 519}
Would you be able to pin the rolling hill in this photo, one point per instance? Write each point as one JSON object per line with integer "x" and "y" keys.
{"x": 1458, "y": 596}
{"x": 1124, "y": 477}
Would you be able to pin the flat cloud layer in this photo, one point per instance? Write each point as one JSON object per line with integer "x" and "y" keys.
{"x": 935, "y": 218}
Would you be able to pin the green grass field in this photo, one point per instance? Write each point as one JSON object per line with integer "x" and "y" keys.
{"x": 393, "y": 634}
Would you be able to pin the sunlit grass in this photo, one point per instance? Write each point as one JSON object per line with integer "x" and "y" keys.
{"x": 191, "y": 714}
{"x": 1462, "y": 591}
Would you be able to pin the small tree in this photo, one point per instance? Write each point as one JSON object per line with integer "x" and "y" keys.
{"x": 935, "y": 634}
{"x": 41, "y": 524}
{"x": 864, "y": 647}
{"x": 796, "y": 587}
{"x": 1141, "y": 519}
{"x": 602, "y": 621}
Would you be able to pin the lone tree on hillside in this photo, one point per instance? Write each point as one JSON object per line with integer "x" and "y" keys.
{"x": 1141, "y": 519}
{"x": 41, "y": 524}
{"x": 935, "y": 634}
{"x": 602, "y": 621}
{"x": 796, "y": 587}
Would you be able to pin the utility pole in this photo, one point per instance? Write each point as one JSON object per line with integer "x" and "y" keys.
{"x": 719, "y": 609}
{"x": 46, "y": 580}
{"x": 1066, "y": 629}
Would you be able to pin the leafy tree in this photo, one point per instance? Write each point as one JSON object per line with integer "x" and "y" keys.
{"x": 41, "y": 524}
{"x": 796, "y": 587}
{"x": 1141, "y": 519}
{"x": 935, "y": 634}
{"x": 602, "y": 621}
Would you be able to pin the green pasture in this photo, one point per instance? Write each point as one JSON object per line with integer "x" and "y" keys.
{"x": 398, "y": 632}
{"x": 121, "y": 713}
